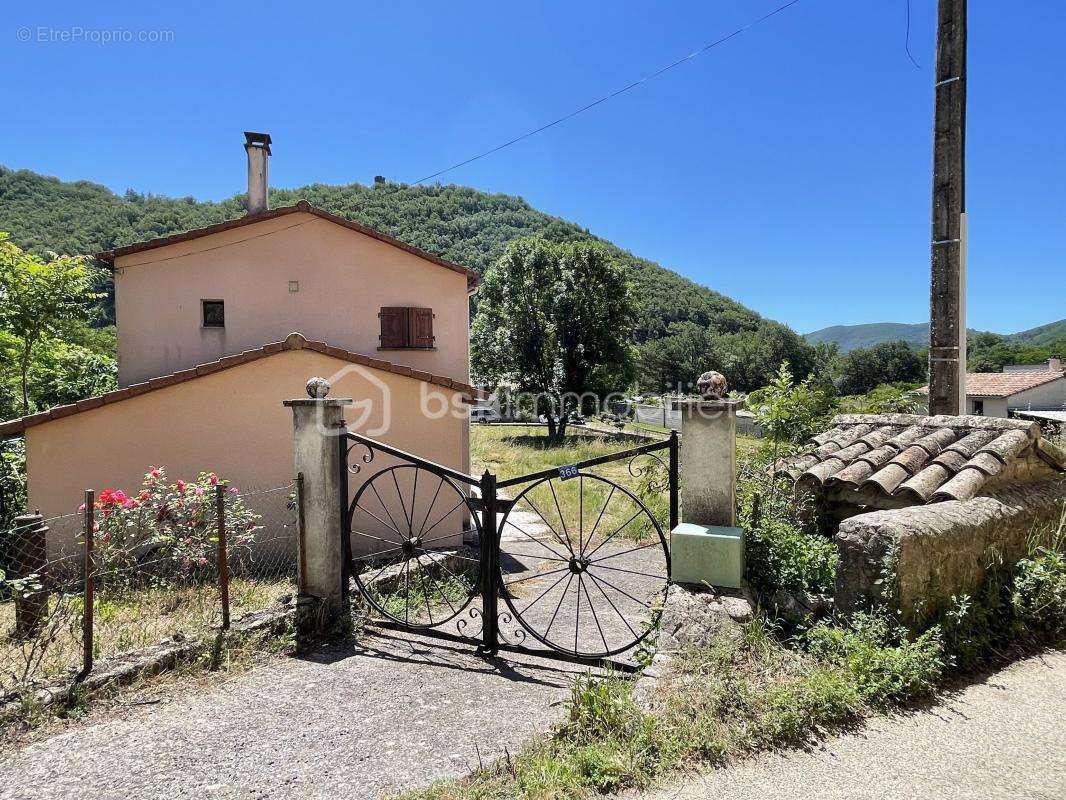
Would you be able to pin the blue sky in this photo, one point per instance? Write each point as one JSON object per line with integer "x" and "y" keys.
{"x": 788, "y": 168}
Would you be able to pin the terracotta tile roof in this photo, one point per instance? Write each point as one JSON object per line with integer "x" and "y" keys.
{"x": 294, "y": 341}
{"x": 917, "y": 458}
{"x": 1004, "y": 384}
{"x": 109, "y": 256}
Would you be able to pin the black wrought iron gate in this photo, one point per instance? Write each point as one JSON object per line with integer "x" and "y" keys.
{"x": 435, "y": 550}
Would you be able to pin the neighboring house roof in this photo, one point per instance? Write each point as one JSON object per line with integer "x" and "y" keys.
{"x": 294, "y": 341}
{"x": 109, "y": 256}
{"x": 915, "y": 458}
{"x": 1004, "y": 384}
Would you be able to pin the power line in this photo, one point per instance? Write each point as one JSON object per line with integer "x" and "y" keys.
{"x": 907, "y": 39}
{"x": 612, "y": 95}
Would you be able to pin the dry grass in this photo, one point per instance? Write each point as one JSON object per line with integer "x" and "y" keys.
{"x": 124, "y": 620}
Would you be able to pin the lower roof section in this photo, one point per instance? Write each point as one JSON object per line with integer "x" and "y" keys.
{"x": 294, "y": 341}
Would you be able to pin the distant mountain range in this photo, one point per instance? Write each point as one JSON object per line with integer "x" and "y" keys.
{"x": 850, "y": 337}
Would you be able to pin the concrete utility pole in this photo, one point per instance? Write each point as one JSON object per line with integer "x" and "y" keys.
{"x": 947, "y": 317}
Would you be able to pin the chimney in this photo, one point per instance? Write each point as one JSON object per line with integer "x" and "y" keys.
{"x": 257, "y": 146}
{"x": 1054, "y": 365}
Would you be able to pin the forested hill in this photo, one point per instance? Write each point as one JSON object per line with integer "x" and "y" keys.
{"x": 851, "y": 337}
{"x": 461, "y": 224}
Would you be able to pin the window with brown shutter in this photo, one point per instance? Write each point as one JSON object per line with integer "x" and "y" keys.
{"x": 404, "y": 327}
{"x": 420, "y": 326}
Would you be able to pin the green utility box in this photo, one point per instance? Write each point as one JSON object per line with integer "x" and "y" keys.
{"x": 707, "y": 554}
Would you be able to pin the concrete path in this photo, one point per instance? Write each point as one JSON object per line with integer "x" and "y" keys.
{"x": 396, "y": 713}
{"x": 1004, "y": 737}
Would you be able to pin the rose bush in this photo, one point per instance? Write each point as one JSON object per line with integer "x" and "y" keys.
{"x": 173, "y": 522}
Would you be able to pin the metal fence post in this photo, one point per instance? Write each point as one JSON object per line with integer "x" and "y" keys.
{"x": 674, "y": 477}
{"x": 27, "y": 559}
{"x": 301, "y": 542}
{"x": 223, "y": 554}
{"x": 342, "y": 494}
{"x": 89, "y": 573}
{"x": 490, "y": 547}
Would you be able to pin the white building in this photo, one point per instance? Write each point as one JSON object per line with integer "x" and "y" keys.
{"x": 1000, "y": 394}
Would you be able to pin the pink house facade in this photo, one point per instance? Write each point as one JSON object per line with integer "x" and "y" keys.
{"x": 218, "y": 326}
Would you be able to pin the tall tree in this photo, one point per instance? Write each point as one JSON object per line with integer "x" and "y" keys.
{"x": 864, "y": 369}
{"x": 552, "y": 320}
{"x": 42, "y": 299}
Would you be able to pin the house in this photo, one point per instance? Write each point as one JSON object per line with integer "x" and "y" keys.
{"x": 217, "y": 326}
{"x": 999, "y": 394}
{"x": 1029, "y": 387}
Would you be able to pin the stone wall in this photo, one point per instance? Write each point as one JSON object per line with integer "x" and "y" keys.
{"x": 916, "y": 558}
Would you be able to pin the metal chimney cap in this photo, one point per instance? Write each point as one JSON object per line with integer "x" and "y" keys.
{"x": 253, "y": 139}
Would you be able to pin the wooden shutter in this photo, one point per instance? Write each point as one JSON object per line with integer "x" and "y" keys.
{"x": 394, "y": 326}
{"x": 421, "y": 327}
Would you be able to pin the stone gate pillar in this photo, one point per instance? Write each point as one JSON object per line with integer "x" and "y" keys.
{"x": 707, "y": 548}
{"x": 709, "y": 461}
{"x": 318, "y": 424}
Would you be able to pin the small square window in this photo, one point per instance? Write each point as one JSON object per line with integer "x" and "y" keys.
{"x": 214, "y": 313}
{"x": 294, "y": 286}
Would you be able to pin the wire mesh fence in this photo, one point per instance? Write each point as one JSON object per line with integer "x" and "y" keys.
{"x": 40, "y": 603}
{"x": 125, "y": 572}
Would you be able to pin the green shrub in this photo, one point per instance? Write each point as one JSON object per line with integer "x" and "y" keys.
{"x": 1038, "y": 600}
{"x": 780, "y": 555}
{"x": 1024, "y": 605}
{"x": 782, "y": 549}
{"x": 886, "y": 666}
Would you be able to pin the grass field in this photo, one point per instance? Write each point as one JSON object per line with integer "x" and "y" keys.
{"x": 511, "y": 451}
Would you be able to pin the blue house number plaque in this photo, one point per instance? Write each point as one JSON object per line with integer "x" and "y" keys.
{"x": 568, "y": 471}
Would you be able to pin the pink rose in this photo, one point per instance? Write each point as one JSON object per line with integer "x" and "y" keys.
{"x": 233, "y": 490}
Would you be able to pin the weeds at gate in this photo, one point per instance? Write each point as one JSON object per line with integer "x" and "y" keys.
{"x": 721, "y": 702}
{"x": 403, "y": 601}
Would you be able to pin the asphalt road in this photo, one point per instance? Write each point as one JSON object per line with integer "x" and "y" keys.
{"x": 1004, "y": 737}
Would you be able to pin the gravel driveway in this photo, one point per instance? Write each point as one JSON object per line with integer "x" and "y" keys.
{"x": 396, "y": 712}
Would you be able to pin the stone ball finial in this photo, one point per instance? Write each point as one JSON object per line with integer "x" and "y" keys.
{"x": 317, "y": 388}
{"x": 712, "y": 385}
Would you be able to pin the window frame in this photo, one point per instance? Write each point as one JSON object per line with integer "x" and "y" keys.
{"x": 203, "y": 313}
{"x": 406, "y": 319}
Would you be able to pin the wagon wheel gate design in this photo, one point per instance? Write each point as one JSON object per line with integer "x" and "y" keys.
{"x": 579, "y": 561}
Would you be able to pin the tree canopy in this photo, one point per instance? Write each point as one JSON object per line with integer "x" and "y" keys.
{"x": 865, "y": 369}
{"x": 42, "y": 301}
{"x": 554, "y": 320}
